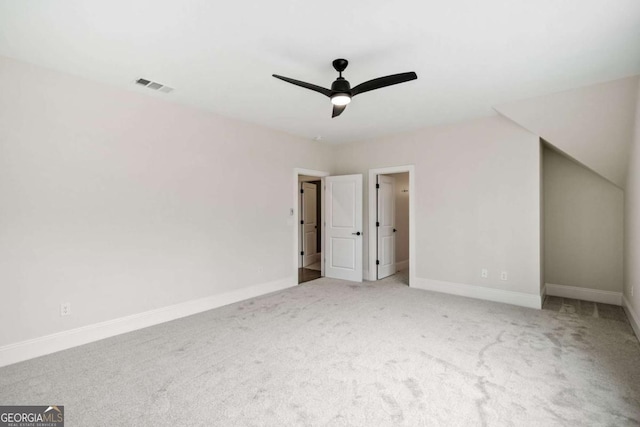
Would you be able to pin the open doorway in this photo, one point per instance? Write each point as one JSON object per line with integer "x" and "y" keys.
{"x": 340, "y": 224}
{"x": 391, "y": 224}
{"x": 300, "y": 178}
{"x": 310, "y": 232}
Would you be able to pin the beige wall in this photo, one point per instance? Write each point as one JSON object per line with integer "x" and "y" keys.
{"x": 579, "y": 121}
{"x": 632, "y": 224}
{"x": 120, "y": 203}
{"x": 477, "y": 187}
{"x": 583, "y": 226}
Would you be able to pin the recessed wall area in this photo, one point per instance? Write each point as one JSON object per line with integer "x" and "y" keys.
{"x": 583, "y": 231}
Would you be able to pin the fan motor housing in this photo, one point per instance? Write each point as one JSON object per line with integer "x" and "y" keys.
{"x": 341, "y": 85}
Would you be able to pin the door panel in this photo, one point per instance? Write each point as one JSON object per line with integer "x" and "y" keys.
{"x": 342, "y": 214}
{"x": 386, "y": 220}
{"x": 342, "y": 253}
{"x": 343, "y": 203}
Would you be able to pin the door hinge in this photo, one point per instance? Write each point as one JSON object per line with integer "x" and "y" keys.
{"x": 302, "y": 253}
{"x": 377, "y": 186}
{"x": 301, "y": 191}
{"x": 377, "y": 262}
{"x": 377, "y": 224}
{"x": 302, "y": 221}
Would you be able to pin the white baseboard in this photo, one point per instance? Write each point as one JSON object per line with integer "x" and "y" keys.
{"x": 401, "y": 265}
{"x": 312, "y": 259}
{"x": 543, "y": 292}
{"x": 594, "y": 295}
{"x": 634, "y": 318}
{"x": 479, "y": 292}
{"x": 48, "y": 344}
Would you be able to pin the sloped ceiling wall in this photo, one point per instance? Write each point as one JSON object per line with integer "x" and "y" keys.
{"x": 594, "y": 124}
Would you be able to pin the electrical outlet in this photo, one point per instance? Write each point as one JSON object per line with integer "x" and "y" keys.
{"x": 65, "y": 309}
{"x": 484, "y": 273}
{"x": 503, "y": 275}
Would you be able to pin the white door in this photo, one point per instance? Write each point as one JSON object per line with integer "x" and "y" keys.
{"x": 343, "y": 232}
{"x": 386, "y": 221}
{"x": 309, "y": 224}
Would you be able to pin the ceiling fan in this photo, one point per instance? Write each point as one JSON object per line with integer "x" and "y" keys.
{"x": 341, "y": 91}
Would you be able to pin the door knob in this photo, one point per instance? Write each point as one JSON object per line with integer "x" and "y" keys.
{"x": 356, "y": 234}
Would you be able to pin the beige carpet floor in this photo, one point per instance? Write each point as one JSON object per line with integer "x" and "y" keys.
{"x": 333, "y": 353}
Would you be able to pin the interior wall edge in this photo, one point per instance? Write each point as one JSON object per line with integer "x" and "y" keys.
{"x": 634, "y": 318}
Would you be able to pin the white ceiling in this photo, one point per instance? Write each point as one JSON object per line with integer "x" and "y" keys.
{"x": 468, "y": 55}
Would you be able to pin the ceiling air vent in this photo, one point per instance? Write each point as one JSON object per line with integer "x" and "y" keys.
{"x": 154, "y": 85}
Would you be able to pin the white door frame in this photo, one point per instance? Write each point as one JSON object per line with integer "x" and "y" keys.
{"x": 373, "y": 242}
{"x": 296, "y": 217}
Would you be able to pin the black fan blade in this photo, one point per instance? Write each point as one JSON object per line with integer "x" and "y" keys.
{"x": 381, "y": 82}
{"x": 319, "y": 89}
{"x": 337, "y": 110}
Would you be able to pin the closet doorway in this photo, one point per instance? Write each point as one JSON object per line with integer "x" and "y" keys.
{"x": 310, "y": 231}
{"x": 391, "y": 223}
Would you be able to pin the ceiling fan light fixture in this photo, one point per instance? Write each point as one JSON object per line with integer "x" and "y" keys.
{"x": 341, "y": 99}
{"x": 341, "y": 91}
